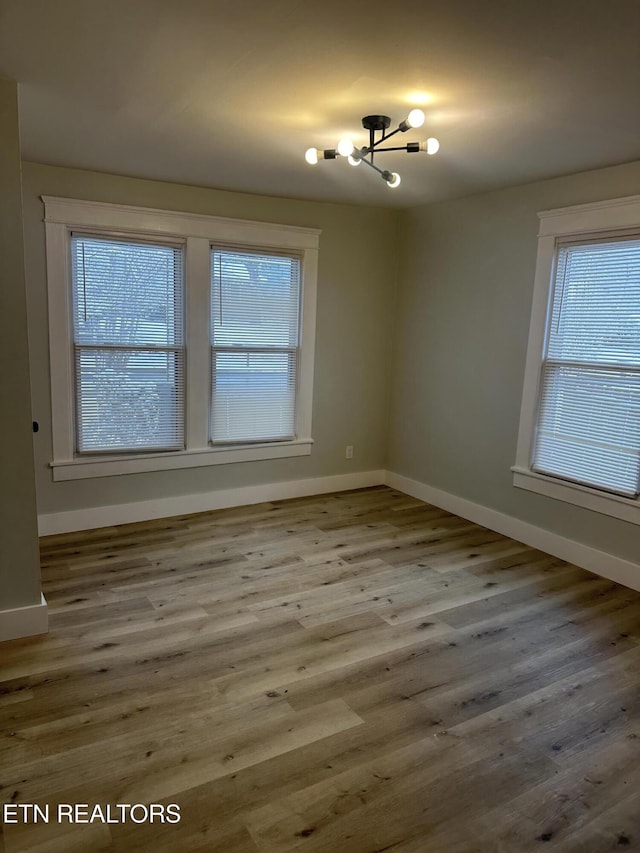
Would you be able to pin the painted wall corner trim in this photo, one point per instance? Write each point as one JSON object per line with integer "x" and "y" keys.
{"x": 599, "y": 562}
{"x": 107, "y": 516}
{"x": 24, "y": 621}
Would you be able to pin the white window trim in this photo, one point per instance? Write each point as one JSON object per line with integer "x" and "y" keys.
{"x": 198, "y": 232}
{"x": 620, "y": 216}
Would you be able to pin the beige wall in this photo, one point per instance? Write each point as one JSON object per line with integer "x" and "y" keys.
{"x": 462, "y": 323}
{"x": 358, "y": 250}
{"x": 19, "y": 562}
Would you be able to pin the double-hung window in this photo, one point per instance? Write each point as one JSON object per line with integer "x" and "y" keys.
{"x": 255, "y": 332}
{"x": 176, "y": 340}
{"x": 128, "y": 344}
{"x": 580, "y": 423}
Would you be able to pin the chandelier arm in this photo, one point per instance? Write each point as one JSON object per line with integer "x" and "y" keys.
{"x": 373, "y": 166}
{"x": 384, "y": 137}
{"x": 396, "y": 148}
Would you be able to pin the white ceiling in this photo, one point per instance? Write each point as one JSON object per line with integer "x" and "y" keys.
{"x": 230, "y": 93}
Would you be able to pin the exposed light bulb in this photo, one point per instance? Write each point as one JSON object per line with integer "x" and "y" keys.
{"x": 415, "y": 118}
{"x": 394, "y": 180}
{"x": 431, "y": 146}
{"x": 311, "y": 156}
{"x": 345, "y": 147}
{"x": 354, "y": 161}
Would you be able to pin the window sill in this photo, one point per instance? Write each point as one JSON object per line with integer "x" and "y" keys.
{"x": 109, "y": 466}
{"x": 627, "y": 509}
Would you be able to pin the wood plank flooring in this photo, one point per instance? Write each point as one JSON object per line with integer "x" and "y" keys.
{"x": 350, "y": 673}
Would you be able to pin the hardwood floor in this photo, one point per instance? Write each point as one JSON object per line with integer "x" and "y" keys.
{"x": 350, "y": 673}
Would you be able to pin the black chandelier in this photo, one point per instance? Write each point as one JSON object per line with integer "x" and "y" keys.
{"x": 377, "y": 125}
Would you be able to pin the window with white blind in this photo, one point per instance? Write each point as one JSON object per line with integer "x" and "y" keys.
{"x": 580, "y": 424}
{"x": 168, "y": 353}
{"x": 128, "y": 344}
{"x": 255, "y": 329}
{"x": 589, "y": 415}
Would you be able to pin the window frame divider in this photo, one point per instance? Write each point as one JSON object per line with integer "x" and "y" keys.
{"x": 197, "y": 321}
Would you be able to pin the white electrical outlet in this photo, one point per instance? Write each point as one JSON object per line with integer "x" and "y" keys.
{"x": 349, "y": 452}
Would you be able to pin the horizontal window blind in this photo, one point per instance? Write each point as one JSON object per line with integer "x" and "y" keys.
{"x": 128, "y": 344}
{"x": 588, "y": 428}
{"x": 255, "y": 339}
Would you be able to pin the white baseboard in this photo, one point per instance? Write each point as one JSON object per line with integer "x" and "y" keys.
{"x": 24, "y": 621}
{"x": 601, "y": 563}
{"x": 107, "y": 516}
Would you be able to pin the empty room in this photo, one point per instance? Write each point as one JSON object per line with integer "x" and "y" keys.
{"x": 320, "y": 457}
